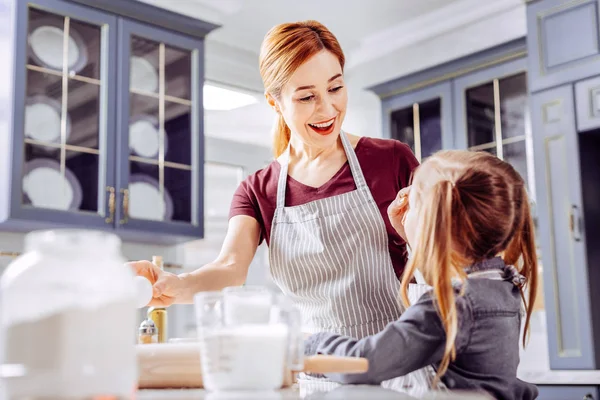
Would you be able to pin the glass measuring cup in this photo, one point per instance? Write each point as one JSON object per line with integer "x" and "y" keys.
{"x": 248, "y": 338}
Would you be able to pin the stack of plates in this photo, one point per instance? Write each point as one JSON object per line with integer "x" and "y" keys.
{"x": 143, "y": 75}
{"x": 144, "y": 137}
{"x": 145, "y": 201}
{"x": 42, "y": 119}
{"x": 46, "y": 45}
{"x": 45, "y": 187}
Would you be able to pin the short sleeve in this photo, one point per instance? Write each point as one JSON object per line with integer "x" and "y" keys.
{"x": 244, "y": 202}
{"x": 407, "y": 163}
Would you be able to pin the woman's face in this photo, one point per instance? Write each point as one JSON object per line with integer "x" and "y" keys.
{"x": 313, "y": 102}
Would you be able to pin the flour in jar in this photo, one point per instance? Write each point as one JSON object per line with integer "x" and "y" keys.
{"x": 74, "y": 353}
{"x": 248, "y": 357}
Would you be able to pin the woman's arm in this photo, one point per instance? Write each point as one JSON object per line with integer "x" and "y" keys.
{"x": 229, "y": 269}
{"x": 231, "y": 266}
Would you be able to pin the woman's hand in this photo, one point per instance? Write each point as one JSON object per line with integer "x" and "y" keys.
{"x": 397, "y": 210}
{"x": 166, "y": 287}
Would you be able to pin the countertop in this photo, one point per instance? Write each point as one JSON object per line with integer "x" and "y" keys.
{"x": 305, "y": 390}
{"x": 340, "y": 393}
{"x": 560, "y": 377}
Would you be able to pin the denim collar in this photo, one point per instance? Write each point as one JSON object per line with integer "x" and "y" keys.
{"x": 495, "y": 268}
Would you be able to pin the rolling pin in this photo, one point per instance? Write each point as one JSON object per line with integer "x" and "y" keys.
{"x": 177, "y": 365}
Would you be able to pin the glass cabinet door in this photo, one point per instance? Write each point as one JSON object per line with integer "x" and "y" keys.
{"x": 492, "y": 115}
{"x": 421, "y": 119}
{"x": 495, "y": 115}
{"x": 419, "y": 126}
{"x": 161, "y": 179}
{"x": 64, "y": 168}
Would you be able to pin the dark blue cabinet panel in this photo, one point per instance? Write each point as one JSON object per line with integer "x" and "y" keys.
{"x": 563, "y": 41}
{"x": 561, "y": 231}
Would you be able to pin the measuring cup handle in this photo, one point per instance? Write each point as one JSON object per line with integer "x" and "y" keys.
{"x": 291, "y": 316}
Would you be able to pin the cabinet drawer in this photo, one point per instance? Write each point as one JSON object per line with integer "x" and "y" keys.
{"x": 568, "y": 393}
{"x": 587, "y": 100}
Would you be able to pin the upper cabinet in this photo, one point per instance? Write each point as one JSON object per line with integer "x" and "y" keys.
{"x": 563, "y": 41}
{"x": 478, "y": 103}
{"x": 491, "y": 114}
{"x": 105, "y": 121}
{"x": 421, "y": 119}
{"x": 62, "y": 138}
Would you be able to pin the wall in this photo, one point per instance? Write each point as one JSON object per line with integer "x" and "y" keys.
{"x": 363, "y": 116}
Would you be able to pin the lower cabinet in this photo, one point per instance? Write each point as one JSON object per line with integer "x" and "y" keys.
{"x": 552, "y": 392}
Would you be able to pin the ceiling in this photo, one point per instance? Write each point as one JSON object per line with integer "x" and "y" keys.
{"x": 381, "y": 39}
{"x": 245, "y": 23}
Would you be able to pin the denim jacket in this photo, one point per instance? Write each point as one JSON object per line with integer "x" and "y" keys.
{"x": 487, "y": 343}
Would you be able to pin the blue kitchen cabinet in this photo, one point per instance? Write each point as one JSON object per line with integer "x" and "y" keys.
{"x": 563, "y": 41}
{"x": 560, "y": 169}
{"x": 102, "y": 116}
{"x": 573, "y": 392}
{"x": 422, "y": 119}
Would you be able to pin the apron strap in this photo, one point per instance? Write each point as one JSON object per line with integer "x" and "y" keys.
{"x": 357, "y": 174}
{"x": 359, "y": 178}
{"x": 282, "y": 182}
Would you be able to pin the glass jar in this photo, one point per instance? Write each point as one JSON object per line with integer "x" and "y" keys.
{"x": 67, "y": 318}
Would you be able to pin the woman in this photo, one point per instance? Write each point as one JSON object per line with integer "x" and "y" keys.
{"x": 321, "y": 205}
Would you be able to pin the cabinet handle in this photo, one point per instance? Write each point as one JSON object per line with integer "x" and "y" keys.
{"x": 125, "y": 218}
{"x": 111, "y": 205}
{"x": 575, "y": 223}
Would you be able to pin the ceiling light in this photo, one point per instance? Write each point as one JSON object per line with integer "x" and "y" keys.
{"x": 221, "y": 99}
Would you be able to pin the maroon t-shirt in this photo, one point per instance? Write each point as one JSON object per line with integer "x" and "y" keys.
{"x": 386, "y": 164}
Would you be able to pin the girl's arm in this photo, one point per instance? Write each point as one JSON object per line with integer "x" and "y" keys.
{"x": 416, "y": 340}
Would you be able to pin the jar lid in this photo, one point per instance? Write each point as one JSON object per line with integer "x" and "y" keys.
{"x": 148, "y": 327}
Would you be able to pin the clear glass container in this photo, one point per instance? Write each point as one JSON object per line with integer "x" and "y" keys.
{"x": 68, "y": 318}
{"x": 249, "y": 339}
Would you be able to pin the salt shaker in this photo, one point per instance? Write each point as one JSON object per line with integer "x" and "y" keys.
{"x": 147, "y": 333}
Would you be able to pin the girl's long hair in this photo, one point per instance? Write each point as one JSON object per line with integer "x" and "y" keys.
{"x": 471, "y": 206}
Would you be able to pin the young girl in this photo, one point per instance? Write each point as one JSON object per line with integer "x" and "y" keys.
{"x": 467, "y": 221}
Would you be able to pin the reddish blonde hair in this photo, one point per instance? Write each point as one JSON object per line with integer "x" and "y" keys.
{"x": 284, "y": 49}
{"x": 472, "y": 206}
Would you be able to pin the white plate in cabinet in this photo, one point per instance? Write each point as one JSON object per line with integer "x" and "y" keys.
{"x": 587, "y": 100}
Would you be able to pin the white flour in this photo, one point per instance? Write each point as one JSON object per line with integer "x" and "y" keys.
{"x": 73, "y": 354}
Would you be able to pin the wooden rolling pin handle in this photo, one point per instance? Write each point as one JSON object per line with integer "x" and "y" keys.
{"x": 323, "y": 364}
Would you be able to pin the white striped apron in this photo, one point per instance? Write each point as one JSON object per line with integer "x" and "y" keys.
{"x": 331, "y": 257}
